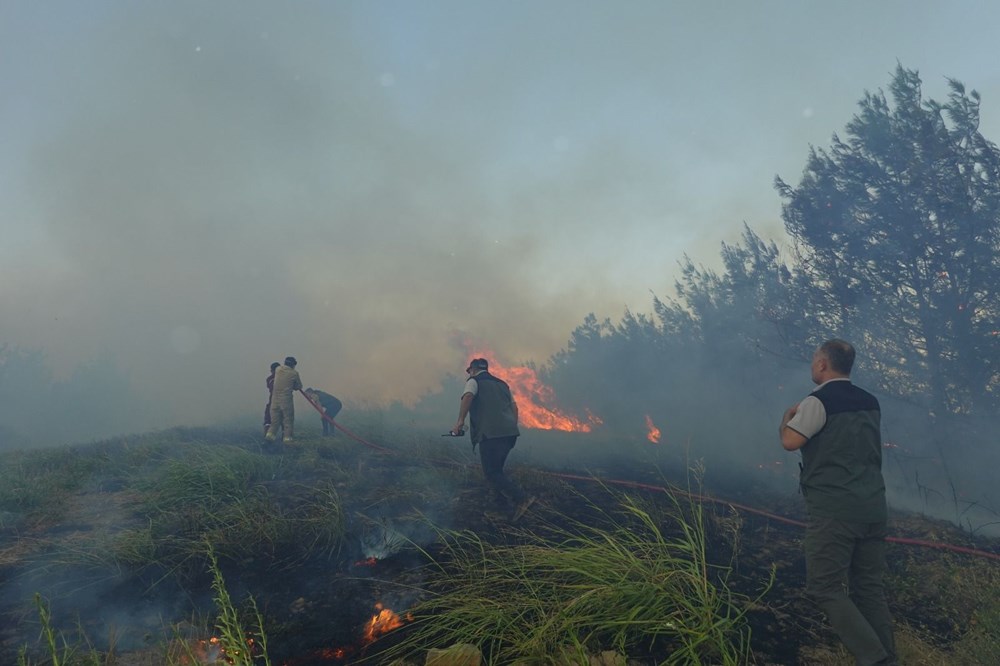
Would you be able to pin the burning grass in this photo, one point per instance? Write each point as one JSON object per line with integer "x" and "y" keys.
{"x": 324, "y": 531}
{"x": 240, "y": 645}
{"x": 233, "y": 642}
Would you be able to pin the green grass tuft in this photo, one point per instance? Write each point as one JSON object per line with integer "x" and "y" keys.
{"x": 639, "y": 583}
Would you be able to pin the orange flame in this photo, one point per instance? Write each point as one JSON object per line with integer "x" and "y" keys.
{"x": 203, "y": 651}
{"x": 333, "y": 653}
{"x": 383, "y": 622}
{"x": 535, "y": 400}
{"x": 211, "y": 651}
{"x": 652, "y": 432}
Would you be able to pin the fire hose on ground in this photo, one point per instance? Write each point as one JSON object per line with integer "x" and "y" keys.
{"x": 326, "y": 417}
{"x": 906, "y": 541}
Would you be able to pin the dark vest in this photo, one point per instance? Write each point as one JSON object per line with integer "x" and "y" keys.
{"x": 842, "y": 463}
{"x": 491, "y": 414}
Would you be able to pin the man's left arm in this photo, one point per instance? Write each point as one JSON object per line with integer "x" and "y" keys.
{"x": 791, "y": 439}
{"x": 801, "y": 422}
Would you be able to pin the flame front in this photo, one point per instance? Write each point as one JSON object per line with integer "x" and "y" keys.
{"x": 652, "y": 432}
{"x": 535, "y": 401}
{"x": 382, "y": 622}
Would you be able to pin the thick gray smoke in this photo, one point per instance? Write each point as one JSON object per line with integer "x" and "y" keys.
{"x": 192, "y": 190}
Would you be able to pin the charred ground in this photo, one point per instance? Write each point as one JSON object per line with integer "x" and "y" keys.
{"x": 328, "y": 533}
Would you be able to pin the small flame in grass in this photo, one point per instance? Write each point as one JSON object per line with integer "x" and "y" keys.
{"x": 652, "y": 432}
{"x": 535, "y": 400}
{"x": 333, "y": 653}
{"x": 383, "y": 622}
{"x": 211, "y": 651}
{"x": 367, "y": 562}
{"x": 205, "y": 651}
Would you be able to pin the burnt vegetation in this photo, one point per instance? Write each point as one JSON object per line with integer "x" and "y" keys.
{"x": 162, "y": 548}
{"x": 143, "y": 549}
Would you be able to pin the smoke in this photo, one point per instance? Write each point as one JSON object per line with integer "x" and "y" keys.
{"x": 199, "y": 189}
{"x": 220, "y": 189}
{"x": 219, "y": 198}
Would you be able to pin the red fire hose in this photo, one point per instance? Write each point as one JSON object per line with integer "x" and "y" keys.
{"x": 341, "y": 428}
{"x": 937, "y": 545}
{"x": 773, "y": 516}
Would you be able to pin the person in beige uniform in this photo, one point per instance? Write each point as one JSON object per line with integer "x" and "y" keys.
{"x": 286, "y": 382}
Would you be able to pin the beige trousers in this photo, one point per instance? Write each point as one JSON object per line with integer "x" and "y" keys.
{"x": 282, "y": 416}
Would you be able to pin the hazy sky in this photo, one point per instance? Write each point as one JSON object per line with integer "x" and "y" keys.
{"x": 199, "y": 188}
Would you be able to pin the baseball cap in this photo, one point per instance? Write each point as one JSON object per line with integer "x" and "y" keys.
{"x": 478, "y": 364}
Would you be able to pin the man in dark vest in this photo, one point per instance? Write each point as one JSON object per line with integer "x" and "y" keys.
{"x": 837, "y": 429}
{"x": 331, "y": 407}
{"x": 492, "y": 413}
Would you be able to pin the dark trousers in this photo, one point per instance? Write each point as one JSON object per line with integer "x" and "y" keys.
{"x": 845, "y": 568}
{"x": 329, "y": 428}
{"x": 493, "y": 454}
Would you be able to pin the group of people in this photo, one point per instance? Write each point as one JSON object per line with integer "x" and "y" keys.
{"x": 486, "y": 400}
{"x": 837, "y": 429}
{"x": 279, "y": 413}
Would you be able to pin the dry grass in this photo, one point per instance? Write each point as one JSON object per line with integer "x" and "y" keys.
{"x": 152, "y": 503}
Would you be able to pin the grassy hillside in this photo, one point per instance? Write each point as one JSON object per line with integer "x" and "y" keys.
{"x": 196, "y": 545}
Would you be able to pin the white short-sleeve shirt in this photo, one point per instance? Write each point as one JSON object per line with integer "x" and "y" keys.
{"x": 810, "y": 417}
